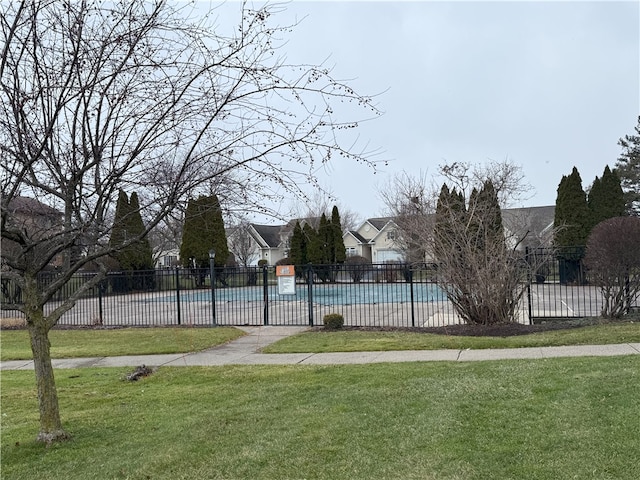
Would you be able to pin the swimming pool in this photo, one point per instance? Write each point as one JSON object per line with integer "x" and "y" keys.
{"x": 322, "y": 294}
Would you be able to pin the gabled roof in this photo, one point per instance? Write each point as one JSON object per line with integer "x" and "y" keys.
{"x": 529, "y": 221}
{"x": 270, "y": 234}
{"x": 357, "y": 236}
{"x": 31, "y": 206}
{"x": 380, "y": 222}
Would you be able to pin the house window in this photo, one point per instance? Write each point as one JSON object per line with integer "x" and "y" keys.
{"x": 392, "y": 235}
{"x": 351, "y": 251}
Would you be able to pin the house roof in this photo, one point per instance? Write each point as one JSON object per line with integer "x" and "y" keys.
{"x": 269, "y": 233}
{"x": 380, "y": 222}
{"x": 31, "y": 206}
{"x": 357, "y": 236}
{"x": 535, "y": 221}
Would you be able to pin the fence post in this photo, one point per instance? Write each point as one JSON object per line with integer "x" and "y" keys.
{"x": 310, "y": 293}
{"x": 529, "y": 276}
{"x": 100, "y": 287}
{"x": 178, "y": 293}
{"x": 265, "y": 294}
{"x": 413, "y": 317}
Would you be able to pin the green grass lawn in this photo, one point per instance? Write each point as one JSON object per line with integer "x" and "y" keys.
{"x": 139, "y": 341}
{"x": 320, "y": 341}
{"x": 125, "y": 341}
{"x": 542, "y": 419}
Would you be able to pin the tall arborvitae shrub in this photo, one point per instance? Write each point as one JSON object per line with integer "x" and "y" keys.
{"x": 606, "y": 199}
{"x": 339, "y": 253}
{"x": 203, "y": 231}
{"x": 573, "y": 222}
{"x": 298, "y": 249}
{"x": 135, "y": 261}
{"x": 119, "y": 231}
{"x": 141, "y": 250}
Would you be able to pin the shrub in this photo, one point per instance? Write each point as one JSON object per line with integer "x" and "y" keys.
{"x": 613, "y": 260}
{"x": 357, "y": 266}
{"x": 333, "y": 321}
{"x": 285, "y": 261}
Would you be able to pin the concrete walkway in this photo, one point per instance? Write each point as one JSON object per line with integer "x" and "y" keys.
{"x": 245, "y": 351}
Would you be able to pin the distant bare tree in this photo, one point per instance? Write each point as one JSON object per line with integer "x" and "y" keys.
{"x": 242, "y": 244}
{"x": 460, "y": 229}
{"x": 166, "y": 236}
{"x": 411, "y": 200}
{"x": 613, "y": 262}
{"x": 98, "y": 96}
{"x": 319, "y": 202}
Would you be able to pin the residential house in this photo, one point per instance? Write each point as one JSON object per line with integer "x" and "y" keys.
{"x": 529, "y": 227}
{"x": 167, "y": 258}
{"x": 271, "y": 242}
{"x": 38, "y": 220}
{"x": 377, "y": 238}
{"x": 374, "y": 240}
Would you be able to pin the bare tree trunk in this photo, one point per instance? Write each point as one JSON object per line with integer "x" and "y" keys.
{"x": 50, "y": 424}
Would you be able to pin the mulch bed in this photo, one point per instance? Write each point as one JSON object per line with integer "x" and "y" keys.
{"x": 500, "y": 330}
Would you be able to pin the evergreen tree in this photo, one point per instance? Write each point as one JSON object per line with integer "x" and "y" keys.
{"x": 628, "y": 170}
{"x": 119, "y": 232}
{"x": 339, "y": 252}
{"x": 572, "y": 212}
{"x": 441, "y": 228}
{"x": 298, "y": 246}
{"x": 311, "y": 242}
{"x": 450, "y": 213}
{"x": 135, "y": 257}
{"x": 219, "y": 234}
{"x": 606, "y": 199}
{"x": 573, "y": 221}
{"x": 485, "y": 218}
{"x": 127, "y": 225}
{"x": 321, "y": 243}
{"x": 141, "y": 250}
{"x": 203, "y": 230}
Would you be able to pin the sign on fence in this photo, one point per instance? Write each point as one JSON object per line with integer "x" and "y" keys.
{"x": 286, "y": 275}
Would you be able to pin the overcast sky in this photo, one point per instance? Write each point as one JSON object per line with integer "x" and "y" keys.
{"x": 548, "y": 85}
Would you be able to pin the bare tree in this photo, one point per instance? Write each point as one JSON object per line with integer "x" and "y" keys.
{"x": 165, "y": 237}
{"x": 460, "y": 229}
{"x": 242, "y": 244}
{"x": 613, "y": 261}
{"x": 100, "y": 96}
{"x": 411, "y": 202}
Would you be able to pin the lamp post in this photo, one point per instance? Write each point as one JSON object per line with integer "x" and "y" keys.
{"x": 212, "y": 273}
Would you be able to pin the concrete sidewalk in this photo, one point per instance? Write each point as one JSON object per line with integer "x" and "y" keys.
{"x": 245, "y": 351}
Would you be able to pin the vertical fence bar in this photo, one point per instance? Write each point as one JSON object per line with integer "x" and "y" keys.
{"x": 265, "y": 294}
{"x": 177, "y": 277}
{"x": 529, "y": 278}
{"x": 101, "y": 285}
{"x": 413, "y": 315}
{"x": 310, "y": 293}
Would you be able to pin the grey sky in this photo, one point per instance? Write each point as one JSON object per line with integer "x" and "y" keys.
{"x": 548, "y": 85}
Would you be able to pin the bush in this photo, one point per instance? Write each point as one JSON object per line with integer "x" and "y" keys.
{"x": 613, "y": 262}
{"x": 284, "y": 261}
{"x": 357, "y": 266}
{"x": 333, "y": 321}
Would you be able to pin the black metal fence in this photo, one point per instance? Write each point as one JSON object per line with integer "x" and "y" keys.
{"x": 386, "y": 295}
